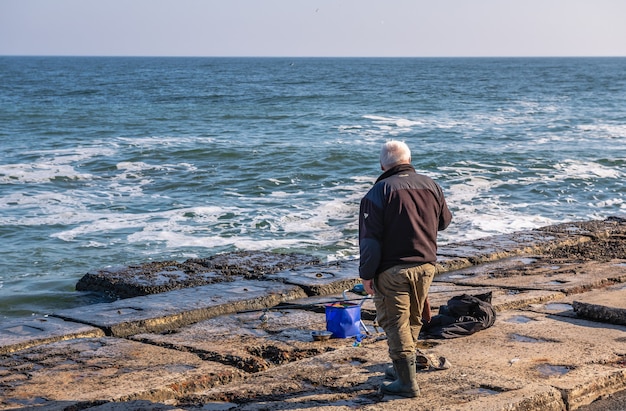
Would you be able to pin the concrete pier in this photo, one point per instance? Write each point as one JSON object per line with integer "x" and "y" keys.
{"x": 234, "y": 333}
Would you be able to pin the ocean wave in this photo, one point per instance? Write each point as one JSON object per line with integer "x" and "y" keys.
{"x": 39, "y": 173}
{"x": 142, "y": 173}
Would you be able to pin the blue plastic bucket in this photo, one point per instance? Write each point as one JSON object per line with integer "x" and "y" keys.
{"x": 343, "y": 319}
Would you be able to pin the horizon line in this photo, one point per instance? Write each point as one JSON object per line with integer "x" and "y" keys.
{"x": 305, "y": 57}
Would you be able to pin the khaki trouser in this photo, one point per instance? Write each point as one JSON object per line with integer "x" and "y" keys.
{"x": 399, "y": 297}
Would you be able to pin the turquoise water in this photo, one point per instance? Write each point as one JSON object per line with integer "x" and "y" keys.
{"x": 114, "y": 161}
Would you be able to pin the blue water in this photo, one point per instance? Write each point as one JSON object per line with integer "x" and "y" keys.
{"x": 115, "y": 161}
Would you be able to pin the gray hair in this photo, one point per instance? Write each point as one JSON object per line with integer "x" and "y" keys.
{"x": 393, "y": 153}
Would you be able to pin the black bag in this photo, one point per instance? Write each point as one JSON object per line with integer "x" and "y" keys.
{"x": 463, "y": 315}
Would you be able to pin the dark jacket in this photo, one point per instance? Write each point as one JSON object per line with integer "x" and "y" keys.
{"x": 463, "y": 315}
{"x": 399, "y": 219}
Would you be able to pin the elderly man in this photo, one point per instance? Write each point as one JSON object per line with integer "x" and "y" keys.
{"x": 398, "y": 224}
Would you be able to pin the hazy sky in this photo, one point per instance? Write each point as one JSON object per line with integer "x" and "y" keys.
{"x": 314, "y": 28}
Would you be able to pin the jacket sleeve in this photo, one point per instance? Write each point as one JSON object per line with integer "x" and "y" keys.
{"x": 445, "y": 216}
{"x": 370, "y": 237}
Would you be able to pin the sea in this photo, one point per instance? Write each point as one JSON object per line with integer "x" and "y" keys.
{"x": 113, "y": 161}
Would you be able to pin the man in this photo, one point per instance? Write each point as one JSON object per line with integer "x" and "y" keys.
{"x": 398, "y": 224}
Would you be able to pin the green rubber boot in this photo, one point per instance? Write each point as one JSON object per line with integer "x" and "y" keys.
{"x": 405, "y": 385}
{"x": 421, "y": 363}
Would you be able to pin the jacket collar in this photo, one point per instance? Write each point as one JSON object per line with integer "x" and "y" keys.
{"x": 395, "y": 170}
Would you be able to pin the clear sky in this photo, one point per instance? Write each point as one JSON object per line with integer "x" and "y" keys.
{"x": 345, "y": 28}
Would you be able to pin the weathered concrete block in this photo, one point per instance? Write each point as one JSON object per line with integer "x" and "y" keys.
{"x": 321, "y": 279}
{"x": 577, "y": 393}
{"x": 19, "y": 334}
{"x": 90, "y": 371}
{"x": 507, "y": 245}
{"x": 163, "y": 276}
{"x": 266, "y": 339}
{"x": 596, "y": 229}
{"x": 539, "y": 273}
{"x": 600, "y": 313}
{"x": 607, "y": 305}
{"x": 174, "y": 309}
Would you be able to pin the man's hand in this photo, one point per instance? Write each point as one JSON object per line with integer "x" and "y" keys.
{"x": 426, "y": 313}
{"x": 368, "y": 285}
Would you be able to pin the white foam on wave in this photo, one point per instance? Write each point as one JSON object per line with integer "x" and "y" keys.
{"x": 52, "y": 164}
{"x": 214, "y": 227}
{"x": 482, "y": 209}
{"x": 276, "y": 181}
{"x": 156, "y": 141}
{"x": 390, "y": 125}
{"x": 121, "y": 187}
{"x": 178, "y": 240}
{"x": 477, "y": 215}
{"x": 132, "y": 180}
{"x": 73, "y": 155}
{"x": 610, "y": 203}
{"x": 138, "y": 167}
{"x": 382, "y": 126}
{"x": 363, "y": 181}
{"x": 40, "y": 172}
{"x": 559, "y": 139}
{"x": 47, "y": 208}
{"x": 585, "y": 170}
{"x": 477, "y": 210}
{"x": 80, "y": 216}
{"x": 350, "y": 129}
{"x": 546, "y": 106}
{"x": 133, "y": 166}
{"x": 317, "y": 218}
{"x": 397, "y": 121}
{"x": 145, "y": 226}
{"x": 280, "y": 194}
{"x": 604, "y": 130}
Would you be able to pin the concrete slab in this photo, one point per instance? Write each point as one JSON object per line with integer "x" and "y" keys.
{"x": 595, "y": 229}
{"x": 578, "y": 392}
{"x": 174, "y": 309}
{"x": 445, "y": 263}
{"x": 540, "y": 273}
{"x": 321, "y": 279}
{"x": 527, "y": 361}
{"x": 141, "y": 405}
{"x": 507, "y": 245}
{"x": 600, "y": 313}
{"x": 85, "y": 372}
{"x": 606, "y": 305}
{"x": 603, "y": 305}
{"x": 348, "y": 378}
{"x": 243, "y": 345}
{"x": 252, "y": 341}
{"x": 19, "y": 334}
{"x": 163, "y": 276}
{"x": 612, "y": 296}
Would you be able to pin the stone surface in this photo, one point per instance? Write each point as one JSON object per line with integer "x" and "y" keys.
{"x": 91, "y": 371}
{"x": 507, "y": 245}
{"x": 168, "y": 311}
{"x": 321, "y": 279}
{"x": 20, "y": 334}
{"x": 540, "y": 273}
{"x": 247, "y": 344}
{"x": 607, "y": 305}
{"x": 556, "y": 356}
{"x": 162, "y": 276}
{"x": 253, "y": 341}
